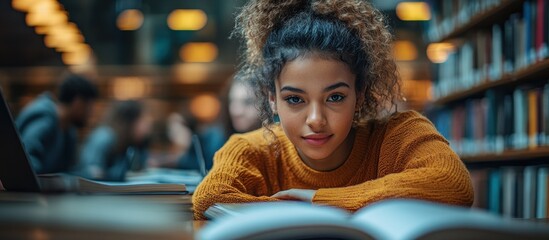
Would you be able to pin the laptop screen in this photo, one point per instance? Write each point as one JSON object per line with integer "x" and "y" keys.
{"x": 16, "y": 173}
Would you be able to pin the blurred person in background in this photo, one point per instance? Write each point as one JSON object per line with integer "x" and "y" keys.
{"x": 209, "y": 136}
{"x": 243, "y": 114}
{"x": 119, "y": 144}
{"x": 48, "y": 125}
{"x": 178, "y": 131}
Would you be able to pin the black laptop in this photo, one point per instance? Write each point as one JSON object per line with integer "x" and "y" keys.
{"x": 16, "y": 173}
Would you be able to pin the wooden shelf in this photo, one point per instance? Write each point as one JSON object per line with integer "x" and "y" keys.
{"x": 531, "y": 73}
{"x": 484, "y": 19}
{"x": 511, "y": 155}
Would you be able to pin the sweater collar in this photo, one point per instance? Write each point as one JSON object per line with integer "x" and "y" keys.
{"x": 337, "y": 177}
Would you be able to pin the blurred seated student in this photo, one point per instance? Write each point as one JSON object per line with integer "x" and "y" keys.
{"x": 178, "y": 133}
{"x": 48, "y": 125}
{"x": 243, "y": 117}
{"x": 181, "y": 127}
{"x": 118, "y": 144}
{"x": 243, "y": 113}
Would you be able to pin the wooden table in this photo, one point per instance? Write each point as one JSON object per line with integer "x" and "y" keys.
{"x": 70, "y": 216}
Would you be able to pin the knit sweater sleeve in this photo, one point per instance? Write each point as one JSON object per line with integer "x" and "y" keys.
{"x": 237, "y": 176}
{"x": 415, "y": 161}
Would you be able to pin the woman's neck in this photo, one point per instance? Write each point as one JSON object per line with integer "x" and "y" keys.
{"x": 336, "y": 159}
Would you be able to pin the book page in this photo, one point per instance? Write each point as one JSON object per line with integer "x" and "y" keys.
{"x": 285, "y": 220}
{"x": 415, "y": 219}
{"x": 137, "y": 187}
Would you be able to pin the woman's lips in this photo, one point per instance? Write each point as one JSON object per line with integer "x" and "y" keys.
{"x": 317, "y": 139}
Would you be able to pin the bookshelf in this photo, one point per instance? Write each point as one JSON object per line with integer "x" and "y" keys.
{"x": 483, "y": 19}
{"x": 530, "y": 74}
{"x": 491, "y": 98}
{"x": 510, "y": 155}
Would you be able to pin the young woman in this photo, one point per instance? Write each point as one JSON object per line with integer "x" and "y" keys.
{"x": 325, "y": 69}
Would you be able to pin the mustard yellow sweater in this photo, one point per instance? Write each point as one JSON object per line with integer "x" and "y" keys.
{"x": 401, "y": 157}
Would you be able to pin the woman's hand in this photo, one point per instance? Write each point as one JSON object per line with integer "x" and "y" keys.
{"x": 305, "y": 195}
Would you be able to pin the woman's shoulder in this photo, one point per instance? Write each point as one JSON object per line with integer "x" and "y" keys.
{"x": 410, "y": 116}
{"x": 405, "y": 122}
{"x": 409, "y": 121}
{"x": 257, "y": 138}
{"x": 410, "y": 125}
{"x": 251, "y": 148}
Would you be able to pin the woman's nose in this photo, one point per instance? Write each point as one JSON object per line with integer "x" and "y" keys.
{"x": 316, "y": 118}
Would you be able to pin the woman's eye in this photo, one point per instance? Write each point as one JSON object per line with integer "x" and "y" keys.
{"x": 293, "y": 100}
{"x": 336, "y": 98}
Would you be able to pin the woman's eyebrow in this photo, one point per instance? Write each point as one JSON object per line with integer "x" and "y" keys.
{"x": 337, "y": 85}
{"x": 327, "y": 89}
{"x": 291, "y": 89}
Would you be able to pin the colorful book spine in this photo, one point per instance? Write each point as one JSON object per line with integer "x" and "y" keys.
{"x": 541, "y": 193}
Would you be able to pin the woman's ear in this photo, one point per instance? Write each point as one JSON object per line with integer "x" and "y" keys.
{"x": 272, "y": 102}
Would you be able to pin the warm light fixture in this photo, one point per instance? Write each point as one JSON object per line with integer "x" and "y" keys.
{"x": 438, "y": 52}
{"x": 125, "y": 88}
{"x": 78, "y": 57}
{"x": 417, "y": 90}
{"x": 187, "y": 19}
{"x": 75, "y": 47}
{"x": 205, "y": 107}
{"x": 44, "y": 7}
{"x": 23, "y": 5}
{"x": 404, "y": 50}
{"x": 49, "y": 19}
{"x": 198, "y": 52}
{"x": 44, "y": 13}
{"x": 62, "y": 36}
{"x": 191, "y": 73}
{"x": 129, "y": 20}
{"x": 46, "y": 19}
{"x": 413, "y": 11}
{"x": 41, "y": 30}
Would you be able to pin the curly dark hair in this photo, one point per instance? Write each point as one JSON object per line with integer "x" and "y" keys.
{"x": 351, "y": 31}
{"x": 74, "y": 86}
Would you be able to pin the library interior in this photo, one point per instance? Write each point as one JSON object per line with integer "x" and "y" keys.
{"x": 113, "y": 112}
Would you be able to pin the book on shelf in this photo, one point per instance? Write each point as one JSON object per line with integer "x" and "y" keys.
{"x": 59, "y": 182}
{"x": 497, "y": 52}
{"x": 389, "y": 219}
{"x": 542, "y": 193}
{"x": 451, "y": 15}
{"x": 512, "y": 191}
{"x": 529, "y": 207}
{"x": 494, "y": 191}
{"x": 497, "y": 121}
{"x": 479, "y": 178}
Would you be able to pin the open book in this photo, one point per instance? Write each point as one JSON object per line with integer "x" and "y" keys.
{"x": 133, "y": 187}
{"x": 59, "y": 182}
{"x": 390, "y": 219}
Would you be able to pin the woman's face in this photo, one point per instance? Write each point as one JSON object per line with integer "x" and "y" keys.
{"x": 142, "y": 128}
{"x": 315, "y": 100}
{"x": 178, "y": 131}
{"x": 244, "y": 115}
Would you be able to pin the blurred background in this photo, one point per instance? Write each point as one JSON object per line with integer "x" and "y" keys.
{"x": 477, "y": 69}
{"x": 172, "y": 55}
